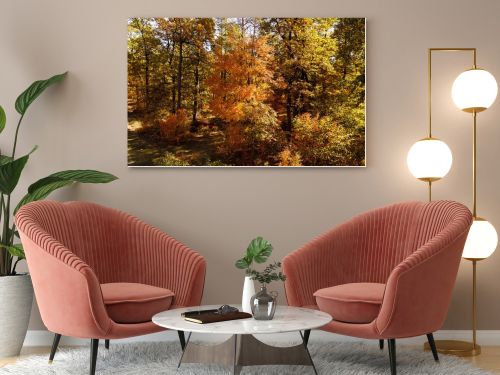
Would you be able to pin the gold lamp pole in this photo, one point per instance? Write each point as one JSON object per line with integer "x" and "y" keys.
{"x": 429, "y": 159}
{"x": 473, "y": 91}
{"x": 475, "y": 349}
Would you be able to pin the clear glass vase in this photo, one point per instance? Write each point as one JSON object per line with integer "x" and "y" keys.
{"x": 263, "y": 304}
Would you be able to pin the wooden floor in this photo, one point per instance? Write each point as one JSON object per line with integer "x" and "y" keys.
{"x": 488, "y": 360}
{"x": 26, "y": 352}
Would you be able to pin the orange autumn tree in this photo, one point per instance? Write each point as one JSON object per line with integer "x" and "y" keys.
{"x": 241, "y": 85}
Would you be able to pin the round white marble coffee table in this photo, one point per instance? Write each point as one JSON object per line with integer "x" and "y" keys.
{"x": 242, "y": 348}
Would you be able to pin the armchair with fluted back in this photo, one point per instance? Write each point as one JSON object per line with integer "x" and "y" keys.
{"x": 99, "y": 273}
{"x": 385, "y": 274}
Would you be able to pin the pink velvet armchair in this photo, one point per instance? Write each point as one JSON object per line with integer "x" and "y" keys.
{"x": 99, "y": 273}
{"x": 385, "y": 274}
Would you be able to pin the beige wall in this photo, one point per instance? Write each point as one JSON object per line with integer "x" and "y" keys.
{"x": 82, "y": 124}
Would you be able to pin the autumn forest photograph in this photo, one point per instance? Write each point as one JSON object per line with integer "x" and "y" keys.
{"x": 246, "y": 92}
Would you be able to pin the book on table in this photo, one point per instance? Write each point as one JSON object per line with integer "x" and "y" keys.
{"x": 213, "y": 316}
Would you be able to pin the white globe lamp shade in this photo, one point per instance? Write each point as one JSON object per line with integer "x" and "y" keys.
{"x": 429, "y": 159}
{"x": 474, "y": 90}
{"x": 481, "y": 241}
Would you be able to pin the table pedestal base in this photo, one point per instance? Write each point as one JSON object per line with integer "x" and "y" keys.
{"x": 246, "y": 350}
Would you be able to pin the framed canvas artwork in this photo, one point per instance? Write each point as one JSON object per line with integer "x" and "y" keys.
{"x": 261, "y": 92}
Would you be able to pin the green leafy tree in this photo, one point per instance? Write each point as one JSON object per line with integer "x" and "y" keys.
{"x": 143, "y": 64}
{"x": 262, "y": 133}
{"x": 303, "y": 52}
{"x": 321, "y": 141}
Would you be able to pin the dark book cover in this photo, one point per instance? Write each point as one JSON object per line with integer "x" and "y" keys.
{"x": 213, "y": 317}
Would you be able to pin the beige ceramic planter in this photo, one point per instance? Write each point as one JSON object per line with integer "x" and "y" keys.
{"x": 16, "y": 298}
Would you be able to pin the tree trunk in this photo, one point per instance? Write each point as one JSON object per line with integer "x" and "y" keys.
{"x": 224, "y": 79}
{"x": 196, "y": 92}
{"x": 289, "y": 102}
{"x": 179, "y": 77}
{"x": 147, "y": 84}
{"x": 289, "y": 110}
{"x": 146, "y": 71}
{"x": 174, "y": 79}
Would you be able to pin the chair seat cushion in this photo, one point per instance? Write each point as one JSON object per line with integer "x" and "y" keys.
{"x": 135, "y": 303}
{"x": 351, "y": 303}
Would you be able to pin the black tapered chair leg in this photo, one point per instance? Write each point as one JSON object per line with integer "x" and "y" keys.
{"x": 55, "y": 344}
{"x": 94, "y": 346}
{"x": 392, "y": 355}
{"x": 182, "y": 339}
{"x": 381, "y": 344}
{"x": 432, "y": 344}
{"x": 307, "y": 333}
{"x": 106, "y": 344}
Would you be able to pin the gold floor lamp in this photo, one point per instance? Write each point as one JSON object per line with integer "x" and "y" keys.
{"x": 430, "y": 159}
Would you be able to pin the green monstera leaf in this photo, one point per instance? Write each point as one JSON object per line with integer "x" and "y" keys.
{"x": 259, "y": 250}
{"x": 242, "y": 263}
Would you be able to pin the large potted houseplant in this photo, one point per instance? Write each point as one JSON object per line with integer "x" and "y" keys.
{"x": 16, "y": 291}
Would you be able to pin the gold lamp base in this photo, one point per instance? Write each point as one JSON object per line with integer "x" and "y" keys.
{"x": 456, "y": 348}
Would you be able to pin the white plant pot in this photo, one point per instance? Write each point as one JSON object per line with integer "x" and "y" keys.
{"x": 248, "y": 292}
{"x": 16, "y": 298}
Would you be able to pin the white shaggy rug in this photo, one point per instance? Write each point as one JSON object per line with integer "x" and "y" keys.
{"x": 161, "y": 358}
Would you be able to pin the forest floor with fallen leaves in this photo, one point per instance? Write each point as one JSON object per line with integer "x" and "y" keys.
{"x": 147, "y": 148}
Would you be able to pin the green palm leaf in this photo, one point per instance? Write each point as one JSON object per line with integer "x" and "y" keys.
{"x": 86, "y": 176}
{"x": 10, "y": 172}
{"x": 15, "y": 250}
{"x": 29, "y": 95}
{"x": 41, "y": 193}
{"x": 43, "y": 187}
{"x": 4, "y": 159}
{"x": 3, "y": 119}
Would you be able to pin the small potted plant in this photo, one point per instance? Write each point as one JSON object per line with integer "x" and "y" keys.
{"x": 258, "y": 251}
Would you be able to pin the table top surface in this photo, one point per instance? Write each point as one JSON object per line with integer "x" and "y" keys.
{"x": 286, "y": 319}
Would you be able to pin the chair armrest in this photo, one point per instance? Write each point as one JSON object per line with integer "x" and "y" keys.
{"x": 66, "y": 289}
{"x": 321, "y": 263}
{"x": 165, "y": 262}
{"x": 419, "y": 289}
